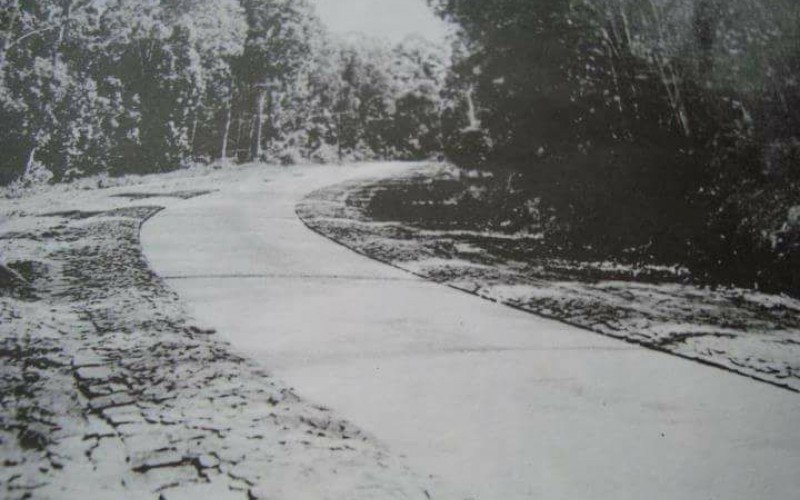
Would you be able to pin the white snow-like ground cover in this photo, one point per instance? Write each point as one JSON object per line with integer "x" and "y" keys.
{"x": 110, "y": 389}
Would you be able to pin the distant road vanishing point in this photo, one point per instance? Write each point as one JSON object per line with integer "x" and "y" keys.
{"x": 493, "y": 402}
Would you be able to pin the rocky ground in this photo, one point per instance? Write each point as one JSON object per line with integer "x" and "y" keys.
{"x": 109, "y": 390}
{"x": 744, "y": 331}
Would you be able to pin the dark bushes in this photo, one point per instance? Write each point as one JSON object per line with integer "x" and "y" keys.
{"x": 667, "y": 131}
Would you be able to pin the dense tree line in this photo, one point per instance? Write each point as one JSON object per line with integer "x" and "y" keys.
{"x": 118, "y": 86}
{"x": 661, "y": 130}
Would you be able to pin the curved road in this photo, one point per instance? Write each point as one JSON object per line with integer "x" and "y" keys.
{"x": 493, "y": 402}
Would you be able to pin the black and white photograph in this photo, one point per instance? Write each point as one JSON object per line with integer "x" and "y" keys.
{"x": 400, "y": 249}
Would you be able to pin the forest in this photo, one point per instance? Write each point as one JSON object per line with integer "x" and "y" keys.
{"x": 656, "y": 131}
{"x": 650, "y": 130}
{"x": 140, "y": 86}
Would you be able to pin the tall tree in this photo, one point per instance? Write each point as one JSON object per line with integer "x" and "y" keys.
{"x": 277, "y": 45}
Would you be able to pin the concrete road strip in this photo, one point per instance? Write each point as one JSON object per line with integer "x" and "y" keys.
{"x": 496, "y": 403}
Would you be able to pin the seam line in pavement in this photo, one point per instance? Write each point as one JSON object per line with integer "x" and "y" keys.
{"x": 372, "y": 355}
{"x": 286, "y": 275}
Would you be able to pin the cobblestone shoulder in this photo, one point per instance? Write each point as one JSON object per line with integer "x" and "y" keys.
{"x": 108, "y": 389}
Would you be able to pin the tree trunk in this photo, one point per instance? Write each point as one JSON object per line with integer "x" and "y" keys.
{"x": 671, "y": 82}
{"x": 705, "y": 33}
{"x": 14, "y": 10}
{"x": 239, "y": 126}
{"x": 269, "y": 117}
{"x": 31, "y": 160}
{"x": 339, "y": 135}
{"x": 258, "y": 129}
{"x": 193, "y": 134}
{"x": 472, "y": 114}
{"x": 62, "y": 30}
{"x": 223, "y": 155}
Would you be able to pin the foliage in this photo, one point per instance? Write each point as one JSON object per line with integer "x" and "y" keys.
{"x": 666, "y": 128}
{"x": 121, "y": 86}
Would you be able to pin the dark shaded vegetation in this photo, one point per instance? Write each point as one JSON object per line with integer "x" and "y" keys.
{"x": 472, "y": 211}
{"x": 667, "y": 130}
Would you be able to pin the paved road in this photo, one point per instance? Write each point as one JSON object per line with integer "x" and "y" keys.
{"x": 496, "y": 403}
